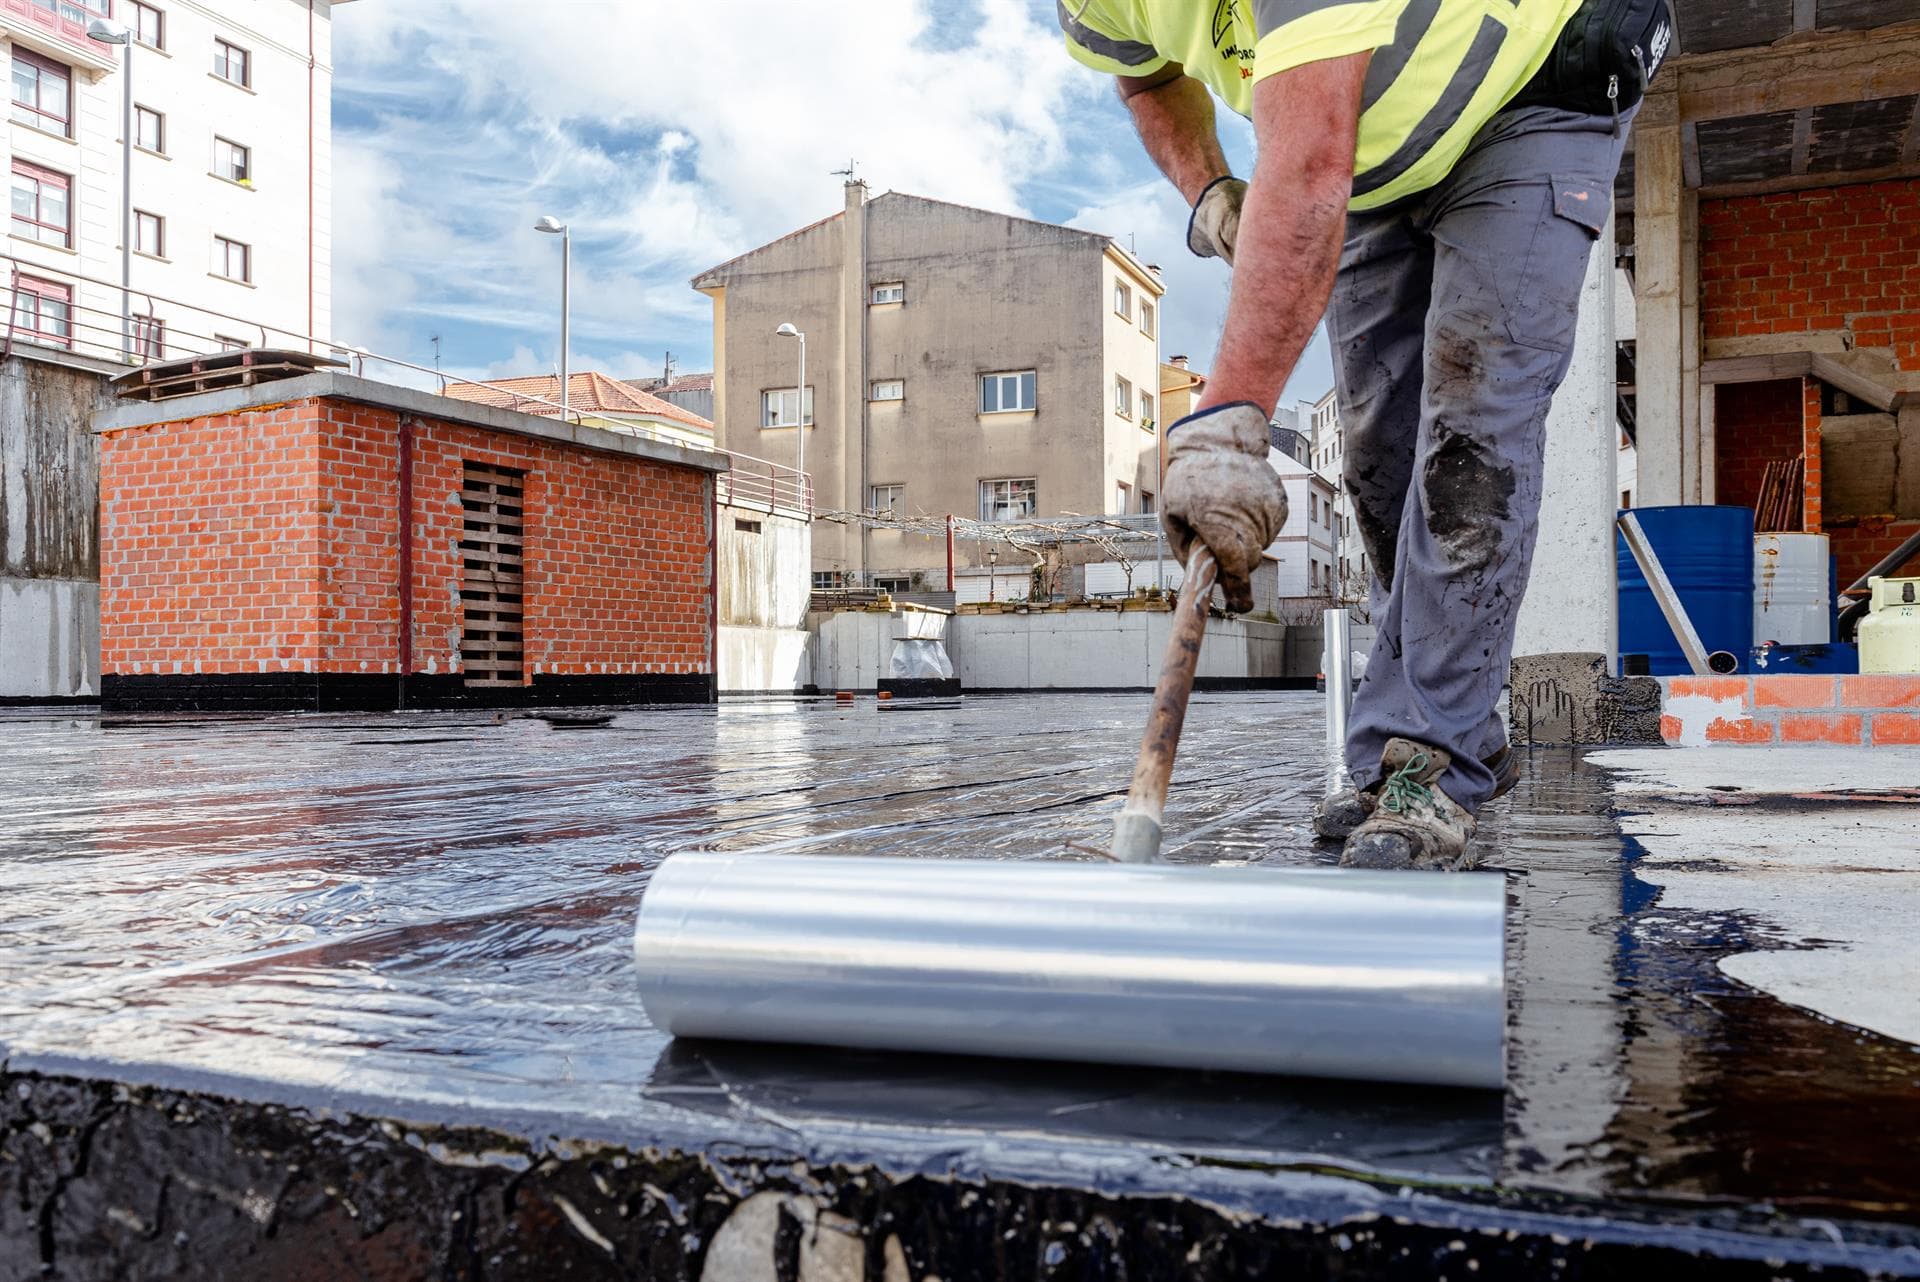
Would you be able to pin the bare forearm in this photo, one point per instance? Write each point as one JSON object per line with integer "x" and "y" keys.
{"x": 1292, "y": 223}
{"x": 1284, "y": 268}
{"x": 1175, "y": 122}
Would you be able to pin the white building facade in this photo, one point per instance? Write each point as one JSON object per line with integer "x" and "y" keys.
{"x": 231, "y": 174}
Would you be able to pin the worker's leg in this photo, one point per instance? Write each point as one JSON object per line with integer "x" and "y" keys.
{"x": 1513, "y": 229}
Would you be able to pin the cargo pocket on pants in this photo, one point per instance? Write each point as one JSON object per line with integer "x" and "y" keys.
{"x": 1546, "y": 307}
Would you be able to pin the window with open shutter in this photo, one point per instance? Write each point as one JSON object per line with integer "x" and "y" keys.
{"x": 493, "y": 554}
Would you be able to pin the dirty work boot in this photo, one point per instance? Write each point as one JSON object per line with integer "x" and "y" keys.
{"x": 1415, "y": 824}
{"x": 1338, "y": 814}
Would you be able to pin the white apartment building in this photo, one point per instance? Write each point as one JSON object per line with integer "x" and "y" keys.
{"x": 1329, "y": 457}
{"x": 231, "y": 174}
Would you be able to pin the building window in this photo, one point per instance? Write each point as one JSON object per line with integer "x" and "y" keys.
{"x": 231, "y": 62}
{"x": 1147, "y": 320}
{"x": 889, "y": 389}
{"x": 1008, "y": 500}
{"x": 1122, "y": 496}
{"x": 1122, "y": 300}
{"x": 42, "y": 93}
{"x": 1148, "y": 505}
{"x": 884, "y": 500}
{"x": 1008, "y": 392}
{"x": 782, "y": 408}
{"x": 1122, "y": 397}
{"x": 231, "y": 161}
{"x": 232, "y": 259}
{"x": 149, "y": 233}
{"x": 891, "y": 292}
{"x": 150, "y": 130}
{"x": 41, "y": 210}
{"x": 149, "y": 338}
{"x": 1313, "y": 574}
{"x": 44, "y": 309}
{"x": 228, "y": 343}
{"x": 149, "y": 25}
{"x": 826, "y": 580}
{"x": 893, "y": 583}
{"x": 1146, "y": 411}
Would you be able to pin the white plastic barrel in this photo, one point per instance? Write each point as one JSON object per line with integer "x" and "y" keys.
{"x": 1791, "y": 584}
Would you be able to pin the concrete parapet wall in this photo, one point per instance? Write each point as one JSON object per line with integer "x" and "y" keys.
{"x": 1103, "y": 649}
{"x": 49, "y": 639}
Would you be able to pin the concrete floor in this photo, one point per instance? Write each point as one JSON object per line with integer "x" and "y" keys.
{"x": 427, "y": 918}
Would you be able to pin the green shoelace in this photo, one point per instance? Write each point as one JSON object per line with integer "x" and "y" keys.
{"x": 1403, "y": 788}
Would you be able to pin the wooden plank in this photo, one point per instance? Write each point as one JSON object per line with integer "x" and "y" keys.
{"x": 1756, "y": 369}
{"x": 508, "y": 540}
{"x": 1854, "y": 382}
{"x": 491, "y": 665}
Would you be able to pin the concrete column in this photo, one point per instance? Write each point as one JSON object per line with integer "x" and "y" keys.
{"x": 1570, "y": 602}
{"x": 1667, "y": 273}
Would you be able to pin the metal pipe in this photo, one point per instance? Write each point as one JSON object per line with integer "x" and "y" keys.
{"x": 1337, "y": 663}
{"x": 950, "y": 582}
{"x": 1393, "y": 977}
{"x": 566, "y": 310}
{"x": 405, "y": 640}
{"x": 126, "y": 206}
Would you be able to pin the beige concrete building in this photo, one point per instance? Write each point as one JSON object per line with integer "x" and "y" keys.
{"x": 958, "y": 362}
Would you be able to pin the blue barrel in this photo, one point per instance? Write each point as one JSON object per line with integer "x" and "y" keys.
{"x": 1707, "y": 553}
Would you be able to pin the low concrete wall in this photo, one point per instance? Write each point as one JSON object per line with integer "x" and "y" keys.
{"x": 49, "y": 639}
{"x": 1103, "y": 649}
{"x": 765, "y": 580}
{"x": 853, "y": 650}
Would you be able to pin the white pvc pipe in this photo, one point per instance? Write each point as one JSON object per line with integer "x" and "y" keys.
{"x": 1395, "y": 976}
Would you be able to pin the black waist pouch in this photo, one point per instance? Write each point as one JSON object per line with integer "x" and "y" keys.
{"x": 1606, "y": 56}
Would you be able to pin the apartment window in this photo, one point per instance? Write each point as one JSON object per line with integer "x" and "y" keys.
{"x": 1122, "y": 497}
{"x": 149, "y": 25}
{"x": 44, "y": 309}
{"x": 231, "y": 161}
{"x": 232, "y": 259}
{"x": 150, "y": 130}
{"x": 1122, "y": 397}
{"x": 885, "y": 499}
{"x": 149, "y": 338}
{"x": 1122, "y": 300}
{"x": 889, "y": 389}
{"x": 149, "y": 233}
{"x": 1148, "y": 504}
{"x": 892, "y": 292}
{"x": 781, "y": 408}
{"x": 228, "y": 343}
{"x": 893, "y": 583}
{"x": 231, "y": 62}
{"x": 1147, "y": 318}
{"x": 826, "y": 580}
{"x": 41, "y": 210}
{"x": 1008, "y": 500}
{"x": 1313, "y": 573}
{"x": 1007, "y": 392}
{"x": 42, "y": 93}
{"x": 1146, "y": 410}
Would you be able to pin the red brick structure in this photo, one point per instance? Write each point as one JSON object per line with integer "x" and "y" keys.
{"x": 1870, "y": 711}
{"x": 253, "y": 555}
{"x": 1839, "y": 267}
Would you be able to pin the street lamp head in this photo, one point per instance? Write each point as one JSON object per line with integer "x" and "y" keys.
{"x": 787, "y": 331}
{"x": 548, "y": 223}
{"x": 108, "y": 33}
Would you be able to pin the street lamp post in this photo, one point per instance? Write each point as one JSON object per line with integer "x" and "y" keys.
{"x": 110, "y": 33}
{"x": 548, "y": 223}
{"x": 799, "y": 397}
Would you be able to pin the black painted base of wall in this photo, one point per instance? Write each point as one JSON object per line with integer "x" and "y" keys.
{"x": 922, "y": 688}
{"x": 369, "y": 692}
{"x": 49, "y": 700}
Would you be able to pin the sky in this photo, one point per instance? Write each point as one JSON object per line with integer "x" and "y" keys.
{"x": 671, "y": 137}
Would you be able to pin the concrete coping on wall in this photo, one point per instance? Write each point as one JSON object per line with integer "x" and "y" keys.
{"x": 334, "y": 385}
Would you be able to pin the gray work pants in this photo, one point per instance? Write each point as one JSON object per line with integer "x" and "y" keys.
{"x": 1452, "y": 325}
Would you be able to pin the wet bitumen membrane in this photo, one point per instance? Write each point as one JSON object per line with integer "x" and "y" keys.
{"x": 407, "y": 938}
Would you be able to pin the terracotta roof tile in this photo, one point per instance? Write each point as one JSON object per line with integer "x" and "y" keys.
{"x": 590, "y": 392}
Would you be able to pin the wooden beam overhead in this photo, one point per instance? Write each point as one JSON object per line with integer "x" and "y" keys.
{"x": 1910, "y": 150}
{"x": 1802, "y": 139}
{"x": 1808, "y": 182}
{"x": 1801, "y": 72}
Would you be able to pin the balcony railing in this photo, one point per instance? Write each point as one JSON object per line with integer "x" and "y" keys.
{"x": 66, "y": 20}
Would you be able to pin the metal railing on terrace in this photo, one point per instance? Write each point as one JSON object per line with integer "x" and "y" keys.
{"x": 49, "y": 309}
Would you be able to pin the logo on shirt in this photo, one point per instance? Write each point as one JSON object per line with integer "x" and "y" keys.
{"x": 1223, "y": 14}
{"x": 1226, "y": 18}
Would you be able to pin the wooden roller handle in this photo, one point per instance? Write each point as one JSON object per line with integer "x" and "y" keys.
{"x": 1137, "y": 830}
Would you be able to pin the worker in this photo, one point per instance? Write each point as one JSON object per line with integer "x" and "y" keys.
{"x": 1432, "y": 176}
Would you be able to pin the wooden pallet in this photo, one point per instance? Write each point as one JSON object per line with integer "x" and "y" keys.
{"x": 492, "y": 583}
{"x": 192, "y": 375}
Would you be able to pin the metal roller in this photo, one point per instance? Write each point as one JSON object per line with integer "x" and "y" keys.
{"x": 1393, "y": 977}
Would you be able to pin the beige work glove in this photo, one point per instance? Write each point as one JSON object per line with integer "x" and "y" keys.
{"x": 1215, "y": 224}
{"x": 1221, "y": 490}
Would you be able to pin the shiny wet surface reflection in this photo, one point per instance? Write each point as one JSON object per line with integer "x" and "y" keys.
{"x": 435, "y": 910}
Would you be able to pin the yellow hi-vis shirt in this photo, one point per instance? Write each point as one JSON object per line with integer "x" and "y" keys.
{"x": 1441, "y": 68}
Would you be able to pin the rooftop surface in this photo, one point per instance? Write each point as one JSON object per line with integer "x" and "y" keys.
{"x": 427, "y": 917}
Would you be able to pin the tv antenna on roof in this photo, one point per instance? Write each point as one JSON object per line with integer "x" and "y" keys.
{"x": 849, "y": 173}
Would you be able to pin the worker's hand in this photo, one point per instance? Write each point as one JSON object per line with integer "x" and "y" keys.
{"x": 1215, "y": 224}
{"x": 1221, "y": 490}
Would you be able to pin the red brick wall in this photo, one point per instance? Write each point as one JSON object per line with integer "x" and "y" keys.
{"x": 1861, "y": 546}
{"x": 1754, "y": 424}
{"x": 1845, "y": 258}
{"x": 268, "y": 541}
